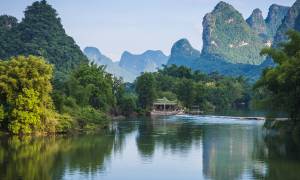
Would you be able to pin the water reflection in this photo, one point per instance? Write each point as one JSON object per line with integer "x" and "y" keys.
{"x": 176, "y": 137}
{"x": 227, "y": 151}
{"x": 175, "y": 147}
{"x": 49, "y": 158}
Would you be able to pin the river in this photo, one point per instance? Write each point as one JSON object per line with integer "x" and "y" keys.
{"x": 175, "y": 147}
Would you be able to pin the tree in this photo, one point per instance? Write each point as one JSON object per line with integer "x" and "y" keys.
{"x": 212, "y": 92}
{"x": 25, "y": 87}
{"x": 96, "y": 85}
{"x": 282, "y": 82}
{"x": 128, "y": 104}
{"x": 1, "y": 114}
{"x": 186, "y": 92}
{"x": 146, "y": 90}
{"x": 26, "y": 114}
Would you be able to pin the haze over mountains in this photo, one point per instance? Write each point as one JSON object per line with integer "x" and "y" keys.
{"x": 130, "y": 65}
{"x": 97, "y": 57}
{"x": 231, "y": 44}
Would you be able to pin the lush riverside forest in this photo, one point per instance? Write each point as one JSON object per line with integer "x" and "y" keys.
{"x": 47, "y": 85}
{"x": 279, "y": 86}
{"x": 211, "y": 92}
{"x": 31, "y": 101}
{"x": 229, "y": 111}
{"x": 278, "y": 89}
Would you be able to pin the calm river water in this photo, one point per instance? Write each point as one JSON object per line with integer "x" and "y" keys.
{"x": 170, "y": 148}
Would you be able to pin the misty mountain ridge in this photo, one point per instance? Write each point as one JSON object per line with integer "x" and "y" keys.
{"x": 130, "y": 65}
{"x": 231, "y": 44}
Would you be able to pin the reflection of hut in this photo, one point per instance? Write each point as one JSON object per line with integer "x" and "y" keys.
{"x": 195, "y": 110}
{"x": 165, "y": 107}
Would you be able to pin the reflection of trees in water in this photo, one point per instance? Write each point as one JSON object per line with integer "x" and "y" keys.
{"x": 176, "y": 137}
{"x": 27, "y": 158}
{"x": 121, "y": 129}
{"x": 145, "y": 138}
{"x": 49, "y": 157}
{"x": 227, "y": 151}
{"x": 282, "y": 157}
{"x": 283, "y": 147}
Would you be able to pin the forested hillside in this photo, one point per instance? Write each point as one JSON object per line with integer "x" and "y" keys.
{"x": 39, "y": 33}
{"x": 47, "y": 84}
{"x": 231, "y": 44}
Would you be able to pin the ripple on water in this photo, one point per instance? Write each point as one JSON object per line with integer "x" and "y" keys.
{"x": 213, "y": 120}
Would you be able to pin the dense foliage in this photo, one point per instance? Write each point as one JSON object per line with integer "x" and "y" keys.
{"x": 82, "y": 99}
{"x": 279, "y": 86}
{"x": 89, "y": 94}
{"x": 39, "y": 33}
{"x": 146, "y": 90}
{"x": 83, "y": 94}
{"x": 211, "y": 92}
{"x": 25, "y": 89}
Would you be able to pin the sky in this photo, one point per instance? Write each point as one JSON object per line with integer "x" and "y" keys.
{"x": 114, "y": 26}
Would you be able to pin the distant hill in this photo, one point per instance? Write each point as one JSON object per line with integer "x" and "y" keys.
{"x": 275, "y": 17}
{"x": 130, "y": 66}
{"x": 148, "y": 61}
{"x": 227, "y": 36}
{"x": 97, "y": 57}
{"x": 258, "y": 25}
{"x": 231, "y": 45}
{"x": 183, "y": 54}
{"x": 39, "y": 33}
{"x": 291, "y": 21}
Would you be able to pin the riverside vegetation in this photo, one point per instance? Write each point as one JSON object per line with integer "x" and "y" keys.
{"x": 211, "y": 92}
{"x": 279, "y": 86}
{"x": 80, "y": 101}
{"x": 47, "y": 84}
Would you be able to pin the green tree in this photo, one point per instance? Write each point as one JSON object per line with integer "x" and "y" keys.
{"x": 95, "y": 84}
{"x": 2, "y": 115}
{"x": 26, "y": 114}
{"x": 186, "y": 92}
{"x": 25, "y": 87}
{"x": 212, "y": 92}
{"x": 282, "y": 82}
{"x": 128, "y": 104}
{"x": 146, "y": 90}
{"x": 87, "y": 94}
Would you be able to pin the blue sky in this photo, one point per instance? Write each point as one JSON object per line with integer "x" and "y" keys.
{"x": 135, "y": 25}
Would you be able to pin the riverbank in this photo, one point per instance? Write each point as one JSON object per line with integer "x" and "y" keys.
{"x": 283, "y": 128}
{"x": 68, "y": 125}
{"x": 283, "y": 137}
